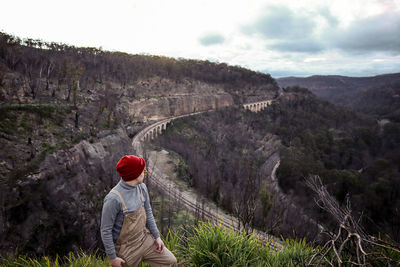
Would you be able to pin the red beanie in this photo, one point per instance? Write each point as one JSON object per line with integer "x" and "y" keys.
{"x": 130, "y": 167}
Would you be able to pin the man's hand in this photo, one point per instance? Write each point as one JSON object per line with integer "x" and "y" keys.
{"x": 159, "y": 245}
{"x": 117, "y": 262}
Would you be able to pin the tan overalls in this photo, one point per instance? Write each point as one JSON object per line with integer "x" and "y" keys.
{"x": 135, "y": 242}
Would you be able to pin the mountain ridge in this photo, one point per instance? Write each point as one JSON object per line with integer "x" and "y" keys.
{"x": 337, "y": 88}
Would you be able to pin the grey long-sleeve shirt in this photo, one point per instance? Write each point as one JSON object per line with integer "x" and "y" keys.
{"x": 112, "y": 216}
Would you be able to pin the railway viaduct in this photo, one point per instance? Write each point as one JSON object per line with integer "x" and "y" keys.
{"x": 155, "y": 129}
{"x": 257, "y": 106}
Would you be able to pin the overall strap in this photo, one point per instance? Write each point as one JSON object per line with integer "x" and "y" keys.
{"x": 124, "y": 208}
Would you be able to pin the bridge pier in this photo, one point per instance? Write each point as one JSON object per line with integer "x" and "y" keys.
{"x": 257, "y": 106}
{"x": 152, "y": 132}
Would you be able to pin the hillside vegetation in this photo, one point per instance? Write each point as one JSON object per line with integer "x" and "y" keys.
{"x": 339, "y": 89}
{"x": 381, "y": 102}
{"x": 78, "y": 69}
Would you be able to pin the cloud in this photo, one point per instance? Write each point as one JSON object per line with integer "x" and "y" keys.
{"x": 344, "y": 66}
{"x": 211, "y": 39}
{"x": 279, "y": 22}
{"x": 278, "y": 73}
{"x": 314, "y": 59}
{"x": 287, "y": 31}
{"x": 373, "y": 34}
{"x": 302, "y": 46}
{"x": 327, "y": 15}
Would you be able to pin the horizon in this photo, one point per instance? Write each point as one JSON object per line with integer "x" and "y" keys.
{"x": 356, "y": 39}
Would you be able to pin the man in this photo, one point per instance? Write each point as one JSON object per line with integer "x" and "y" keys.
{"x": 128, "y": 229}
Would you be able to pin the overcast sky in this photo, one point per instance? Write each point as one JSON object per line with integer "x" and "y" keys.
{"x": 283, "y": 38}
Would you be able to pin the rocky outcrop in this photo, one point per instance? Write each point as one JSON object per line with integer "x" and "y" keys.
{"x": 63, "y": 199}
{"x": 164, "y": 107}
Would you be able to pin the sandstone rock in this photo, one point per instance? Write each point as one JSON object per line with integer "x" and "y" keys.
{"x": 164, "y": 152}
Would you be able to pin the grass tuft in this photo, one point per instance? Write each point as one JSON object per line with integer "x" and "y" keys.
{"x": 204, "y": 245}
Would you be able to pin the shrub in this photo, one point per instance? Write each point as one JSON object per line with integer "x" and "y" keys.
{"x": 212, "y": 245}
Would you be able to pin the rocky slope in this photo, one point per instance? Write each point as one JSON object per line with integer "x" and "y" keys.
{"x": 57, "y": 207}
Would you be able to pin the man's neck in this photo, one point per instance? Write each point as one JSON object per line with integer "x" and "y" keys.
{"x": 133, "y": 182}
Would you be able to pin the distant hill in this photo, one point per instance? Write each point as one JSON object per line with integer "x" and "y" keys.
{"x": 382, "y": 101}
{"x": 338, "y": 89}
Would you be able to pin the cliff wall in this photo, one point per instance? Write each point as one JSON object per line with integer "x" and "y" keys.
{"x": 164, "y": 107}
{"x": 59, "y": 206}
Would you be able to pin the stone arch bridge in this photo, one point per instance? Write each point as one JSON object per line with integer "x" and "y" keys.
{"x": 257, "y": 106}
{"x": 155, "y": 129}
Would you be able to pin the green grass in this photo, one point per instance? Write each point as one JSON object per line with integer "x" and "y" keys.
{"x": 294, "y": 253}
{"x": 72, "y": 260}
{"x": 204, "y": 245}
{"x": 213, "y": 245}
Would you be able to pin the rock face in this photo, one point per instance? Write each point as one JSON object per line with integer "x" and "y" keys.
{"x": 64, "y": 198}
{"x": 156, "y": 98}
{"x": 164, "y": 107}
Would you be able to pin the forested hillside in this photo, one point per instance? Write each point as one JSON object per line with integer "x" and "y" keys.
{"x": 382, "y": 102}
{"x": 224, "y": 152}
{"x": 351, "y": 152}
{"x": 71, "y": 68}
{"x": 377, "y": 96}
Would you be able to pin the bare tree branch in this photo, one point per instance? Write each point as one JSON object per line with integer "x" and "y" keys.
{"x": 350, "y": 244}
